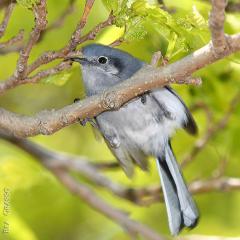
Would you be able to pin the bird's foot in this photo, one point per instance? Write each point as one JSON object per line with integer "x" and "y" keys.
{"x": 144, "y": 97}
{"x": 84, "y": 121}
{"x": 76, "y": 100}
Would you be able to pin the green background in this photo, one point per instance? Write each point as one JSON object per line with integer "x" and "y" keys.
{"x": 41, "y": 208}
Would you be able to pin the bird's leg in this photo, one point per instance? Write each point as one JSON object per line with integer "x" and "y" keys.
{"x": 83, "y": 122}
{"x": 144, "y": 98}
{"x": 113, "y": 139}
{"x": 76, "y": 100}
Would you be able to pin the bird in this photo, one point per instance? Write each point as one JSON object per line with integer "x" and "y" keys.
{"x": 142, "y": 127}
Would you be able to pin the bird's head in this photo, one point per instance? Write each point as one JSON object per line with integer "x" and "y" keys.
{"x": 103, "y": 66}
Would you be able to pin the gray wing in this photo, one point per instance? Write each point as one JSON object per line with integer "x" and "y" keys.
{"x": 98, "y": 136}
{"x": 124, "y": 158}
{"x": 188, "y": 123}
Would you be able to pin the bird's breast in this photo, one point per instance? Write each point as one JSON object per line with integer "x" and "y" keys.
{"x": 141, "y": 124}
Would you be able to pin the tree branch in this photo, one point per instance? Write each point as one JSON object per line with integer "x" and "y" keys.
{"x": 40, "y": 13}
{"x": 50, "y": 56}
{"x": 80, "y": 165}
{"x": 60, "y": 20}
{"x": 216, "y": 23}
{"x": 216, "y": 184}
{"x": 144, "y": 196}
{"x": 75, "y": 39}
{"x": 7, "y": 15}
{"x": 12, "y": 41}
{"x": 132, "y": 227}
{"x": 56, "y": 24}
{"x": 233, "y": 7}
{"x": 146, "y": 79}
{"x": 60, "y": 165}
{"x": 117, "y": 42}
{"x": 212, "y": 131}
{"x": 48, "y": 122}
{"x": 207, "y": 237}
{"x": 10, "y": 49}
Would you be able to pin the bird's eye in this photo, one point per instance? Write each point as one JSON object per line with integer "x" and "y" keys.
{"x": 102, "y": 59}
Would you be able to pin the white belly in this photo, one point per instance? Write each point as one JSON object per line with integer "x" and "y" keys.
{"x": 144, "y": 124}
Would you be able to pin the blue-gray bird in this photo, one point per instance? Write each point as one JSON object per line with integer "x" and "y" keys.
{"x": 143, "y": 127}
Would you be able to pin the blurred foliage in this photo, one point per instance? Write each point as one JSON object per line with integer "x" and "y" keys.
{"x": 41, "y": 209}
{"x": 27, "y": 3}
{"x": 183, "y": 32}
{"x": 58, "y": 79}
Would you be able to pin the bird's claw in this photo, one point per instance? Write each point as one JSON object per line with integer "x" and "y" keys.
{"x": 76, "y": 100}
{"x": 84, "y": 121}
{"x": 143, "y": 99}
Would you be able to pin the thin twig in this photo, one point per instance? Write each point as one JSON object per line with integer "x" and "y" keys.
{"x": 60, "y": 164}
{"x": 60, "y": 20}
{"x": 40, "y": 13}
{"x": 93, "y": 33}
{"x": 10, "y": 49}
{"x": 47, "y": 57}
{"x": 233, "y": 7}
{"x": 12, "y": 41}
{"x": 75, "y": 39}
{"x": 106, "y": 165}
{"x": 56, "y": 24}
{"x": 46, "y": 73}
{"x": 131, "y": 226}
{"x": 117, "y": 42}
{"x": 7, "y": 15}
{"x": 206, "y": 237}
{"x": 80, "y": 165}
{"x": 216, "y": 23}
{"x": 215, "y": 184}
{"x": 202, "y": 105}
{"x": 155, "y": 58}
{"x": 141, "y": 196}
{"x": 211, "y": 132}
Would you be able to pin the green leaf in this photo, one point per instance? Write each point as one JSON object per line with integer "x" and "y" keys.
{"x": 111, "y": 5}
{"x": 135, "y": 30}
{"x": 139, "y": 7}
{"x": 58, "y": 79}
{"x": 197, "y": 19}
{"x": 171, "y": 45}
{"x": 183, "y": 32}
{"x": 28, "y": 3}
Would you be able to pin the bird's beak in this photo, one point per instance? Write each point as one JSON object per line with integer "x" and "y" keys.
{"x": 80, "y": 60}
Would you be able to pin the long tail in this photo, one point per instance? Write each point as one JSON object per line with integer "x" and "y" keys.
{"x": 181, "y": 209}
